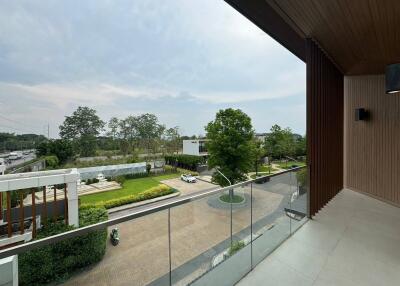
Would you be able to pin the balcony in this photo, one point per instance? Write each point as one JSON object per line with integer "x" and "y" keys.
{"x": 199, "y": 239}
{"x": 353, "y": 241}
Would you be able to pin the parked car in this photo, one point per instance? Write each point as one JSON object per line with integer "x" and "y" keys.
{"x": 188, "y": 178}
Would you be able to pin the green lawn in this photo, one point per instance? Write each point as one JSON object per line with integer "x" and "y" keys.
{"x": 265, "y": 169}
{"x": 235, "y": 200}
{"x": 289, "y": 164}
{"x": 130, "y": 187}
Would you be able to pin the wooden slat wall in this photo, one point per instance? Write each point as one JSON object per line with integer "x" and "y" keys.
{"x": 372, "y": 148}
{"x": 361, "y": 36}
{"x": 324, "y": 127}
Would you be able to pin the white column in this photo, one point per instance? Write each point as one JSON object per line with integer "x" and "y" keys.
{"x": 9, "y": 271}
{"x": 73, "y": 209}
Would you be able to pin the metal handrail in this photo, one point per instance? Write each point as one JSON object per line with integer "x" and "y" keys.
{"x": 134, "y": 215}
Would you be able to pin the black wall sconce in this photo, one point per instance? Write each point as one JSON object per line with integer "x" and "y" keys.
{"x": 361, "y": 114}
{"x": 393, "y": 78}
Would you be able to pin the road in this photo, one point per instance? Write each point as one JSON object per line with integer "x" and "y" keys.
{"x": 26, "y": 158}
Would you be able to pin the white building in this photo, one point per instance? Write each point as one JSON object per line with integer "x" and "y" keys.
{"x": 196, "y": 147}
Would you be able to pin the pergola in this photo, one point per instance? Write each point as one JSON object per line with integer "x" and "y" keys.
{"x": 36, "y": 182}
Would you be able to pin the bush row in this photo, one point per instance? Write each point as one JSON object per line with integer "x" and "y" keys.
{"x": 167, "y": 170}
{"x": 172, "y": 170}
{"x": 91, "y": 181}
{"x": 58, "y": 261}
{"x": 184, "y": 161}
{"x": 158, "y": 191}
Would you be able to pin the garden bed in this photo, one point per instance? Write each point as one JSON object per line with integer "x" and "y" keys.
{"x": 133, "y": 190}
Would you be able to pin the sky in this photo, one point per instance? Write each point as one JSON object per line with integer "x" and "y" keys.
{"x": 182, "y": 60}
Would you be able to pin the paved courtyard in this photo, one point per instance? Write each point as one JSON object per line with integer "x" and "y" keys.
{"x": 198, "y": 231}
{"x": 189, "y": 188}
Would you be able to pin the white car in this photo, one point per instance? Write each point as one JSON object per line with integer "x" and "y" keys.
{"x": 188, "y": 178}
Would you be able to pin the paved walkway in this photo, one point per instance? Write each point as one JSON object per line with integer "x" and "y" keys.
{"x": 353, "y": 241}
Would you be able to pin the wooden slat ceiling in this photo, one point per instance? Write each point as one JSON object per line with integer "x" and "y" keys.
{"x": 361, "y": 36}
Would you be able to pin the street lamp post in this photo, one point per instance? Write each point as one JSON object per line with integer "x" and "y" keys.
{"x": 231, "y": 200}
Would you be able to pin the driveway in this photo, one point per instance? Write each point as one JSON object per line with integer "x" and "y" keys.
{"x": 189, "y": 188}
{"x": 198, "y": 232}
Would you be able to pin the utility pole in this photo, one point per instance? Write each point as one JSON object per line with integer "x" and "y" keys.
{"x": 48, "y": 131}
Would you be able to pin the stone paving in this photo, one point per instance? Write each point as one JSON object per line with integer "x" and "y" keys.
{"x": 196, "y": 227}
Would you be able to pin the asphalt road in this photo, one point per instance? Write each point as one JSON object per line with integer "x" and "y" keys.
{"x": 15, "y": 163}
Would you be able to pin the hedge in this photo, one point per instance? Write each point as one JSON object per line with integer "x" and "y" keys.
{"x": 158, "y": 191}
{"x": 51, "y": 161}
{"x": 57, "y": 262}
{"x": 184, "y": 161}
{"x": 172, "y": 169}
{"x": 167, "y": 170}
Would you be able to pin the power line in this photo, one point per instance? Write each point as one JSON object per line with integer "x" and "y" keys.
{"x": 17, "y": 129}
{"x": 17, "y": 122}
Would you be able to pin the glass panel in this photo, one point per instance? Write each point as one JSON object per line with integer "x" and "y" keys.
{"x": 299, "y": 199}
{"x": 241, "y": 240}
{"x": 271, "y": 225}
{"x": 141, "y": 256}
{"x": 200, "y": 237}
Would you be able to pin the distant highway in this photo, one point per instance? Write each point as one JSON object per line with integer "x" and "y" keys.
{"x": 25, "y": 158}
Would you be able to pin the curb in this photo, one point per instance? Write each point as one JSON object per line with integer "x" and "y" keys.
{"x": 206, "y": 181}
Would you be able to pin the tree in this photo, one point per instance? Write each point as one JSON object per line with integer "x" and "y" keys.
{"x": 11, "y": 142}
{"x": 301, "y": 146}
{"x": 280, "y": 142}
{"x": 259, "y": 153}
{"x": 60, "y": 148}
{"x": 173, "y": 139}
{"x": 230, "y": 146}
{"x": 113, "y": 126}
{"x": 149, "y": 131}
{"x": 82, "y": 127}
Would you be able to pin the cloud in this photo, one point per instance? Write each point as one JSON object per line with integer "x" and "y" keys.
{"x": 125, "y": 56}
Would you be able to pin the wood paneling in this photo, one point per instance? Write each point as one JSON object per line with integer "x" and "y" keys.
{"x": 372, "y": 148}
{"x": 362, "y": 36}
{"x": 324, "y": 127}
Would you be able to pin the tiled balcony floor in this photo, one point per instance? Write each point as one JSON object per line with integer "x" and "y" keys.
{"x": 354, "y": 240}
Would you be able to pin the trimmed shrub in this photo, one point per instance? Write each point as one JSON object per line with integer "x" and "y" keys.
{"x": 51, "y": 161}
{"x": 120, "y": 179}
{"x": 148, "y": 168}
{"x": 184, "y": 161}
{"x": 91, "y": 181}
{"x": 172, "y": 170}
{"x": 160, "y": 190}
{"x": 236, "y": 246}
{"x": 58, "y": 261}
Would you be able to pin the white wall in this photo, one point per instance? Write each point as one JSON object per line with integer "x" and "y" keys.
{"x": 191, "y": 147}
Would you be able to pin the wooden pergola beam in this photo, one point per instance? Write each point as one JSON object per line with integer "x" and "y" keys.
{"x": 55, "y": 210}
{"x": 44, "y": 207}
{"x": 65, "y": 204}
{"x": 9, "y": 219}
{"x": 21, "y": 213}
{"x": 33, "y": 214}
